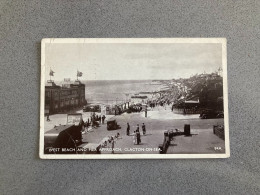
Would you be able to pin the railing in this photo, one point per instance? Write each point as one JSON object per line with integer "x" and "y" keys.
{"x": 187, "y": 111}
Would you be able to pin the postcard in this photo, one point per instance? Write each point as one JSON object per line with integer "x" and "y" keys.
{"x": 134, "y": 98}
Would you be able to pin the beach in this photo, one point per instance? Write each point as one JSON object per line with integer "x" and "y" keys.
{"x": 117, "y": 91}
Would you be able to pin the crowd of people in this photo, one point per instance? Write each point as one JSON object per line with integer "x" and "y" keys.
{"x": 95, "y": 120}
{"x": 135, "y": 108}
{"x": 208, "y": 88}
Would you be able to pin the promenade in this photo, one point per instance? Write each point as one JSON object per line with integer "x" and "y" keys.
{"x": 158, "y": 120}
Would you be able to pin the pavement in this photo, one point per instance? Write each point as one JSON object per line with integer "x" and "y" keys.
{"x": 158, "y": 120}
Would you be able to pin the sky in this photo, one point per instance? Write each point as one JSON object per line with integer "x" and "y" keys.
{"x": 131, "y": 61}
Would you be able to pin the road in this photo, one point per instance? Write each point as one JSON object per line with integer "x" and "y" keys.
{"x": 158, "y": 120}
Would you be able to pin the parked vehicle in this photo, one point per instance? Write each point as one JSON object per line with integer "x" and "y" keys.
{"x": 210, "y": 113}
{"x": 92, "y": 108}
{"x": 220, "y": 115}
{"x": 112, "y": 125}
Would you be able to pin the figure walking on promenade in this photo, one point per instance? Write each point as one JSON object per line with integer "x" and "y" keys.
{"x": 103, "y": 119}
{"x": 48, "y": 117}
{"x": 137, "y": 128}
{"x": 144, "y": 129}
{"x": 135, "y": 138}
{"x": 113, "y": 144}
{"x": 128, "y": 129}
{"x": 138, "y": 137}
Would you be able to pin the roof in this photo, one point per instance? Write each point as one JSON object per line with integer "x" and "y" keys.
{"x": 75, "y": 114}
{"x": 77, "y": 82}
{"x": 69, "y": 84}
{"x": 58, "y": 129}
{"x": 111, "y": 120}
{"x": 51, "y": 84}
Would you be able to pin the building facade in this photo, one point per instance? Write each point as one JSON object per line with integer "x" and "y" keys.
{"x": 64, "y": 98}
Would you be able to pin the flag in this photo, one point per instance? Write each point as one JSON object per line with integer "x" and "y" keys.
{"x": 79, "y": 74}
{"x": 51, "y": 72}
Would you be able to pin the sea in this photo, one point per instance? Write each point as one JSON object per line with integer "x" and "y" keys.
{"x": 116, "y": 91}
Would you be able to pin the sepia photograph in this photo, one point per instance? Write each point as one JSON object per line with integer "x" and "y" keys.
{"x": 141, "y": 98}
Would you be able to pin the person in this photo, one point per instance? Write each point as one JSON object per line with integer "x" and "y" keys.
{"x": 137, "y": 128}
{"x": 117, "y": 136}
{"x": 86, "y": 125}
{"x": 48, "y": 117}
{"x": 82, "y": 125}
{"x": 144, "y": 129}
{"x": 138, "y": 137}
{"x": 93, "y": 123}
{"x": 135, "y": 138}
{"x": 112, "y": 144}
{"x": 128, "y": 129}
{"x": 103, "y": 119}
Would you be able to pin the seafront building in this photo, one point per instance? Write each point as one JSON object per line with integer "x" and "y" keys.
{"x": 68, "y": 96}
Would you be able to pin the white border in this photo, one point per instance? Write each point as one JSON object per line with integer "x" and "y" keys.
{"x": 223, "y": 41}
